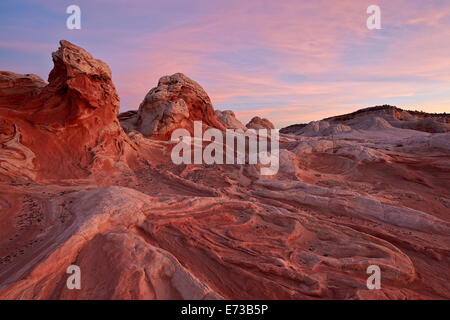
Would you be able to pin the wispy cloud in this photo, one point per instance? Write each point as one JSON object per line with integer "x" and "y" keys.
{"x": 287, "y": 60}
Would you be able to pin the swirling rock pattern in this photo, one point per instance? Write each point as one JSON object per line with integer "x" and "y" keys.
{"x": 75, "y": 189}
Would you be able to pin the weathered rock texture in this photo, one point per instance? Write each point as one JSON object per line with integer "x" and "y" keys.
{"x": 176, "y": 102}
{"x": 76, "y": 190}
{"x": 294, "y": 128}
{"x": 259, "y": 123}
{"x": 15, "y": 88}
{"x": 65, "y": 129}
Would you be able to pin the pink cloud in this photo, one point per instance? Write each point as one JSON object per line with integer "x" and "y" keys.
{"x": 243, "y": 50}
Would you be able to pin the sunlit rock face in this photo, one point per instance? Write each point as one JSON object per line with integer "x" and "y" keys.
{"x": 176, "y": 102}
{"x": 78, "y": 189}
{"x": 66, "y": 128}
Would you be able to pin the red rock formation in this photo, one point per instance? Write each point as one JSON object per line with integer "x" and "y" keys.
{"x": 176, "y": 102}
{"x": 15, "y": 88}
{"x": 69, "y": 126}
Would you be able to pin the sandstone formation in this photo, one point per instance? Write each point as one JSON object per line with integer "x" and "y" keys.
{"x": 427, "y": 125}
{"x": 260, "y": 123}
{"x": 175, "y": 103}
{"x": 393, "y": 116}
{"x": 75, "y": 189}
{"x": 229, "y": 120}
{"x": 382, "y": 117}
{"x": 321, "y": 128}
{"x": 65, "y": 129}
{"x": 294, "y": 128}
{"x": 15, "y": 88}
{"x": 128, "y": 120}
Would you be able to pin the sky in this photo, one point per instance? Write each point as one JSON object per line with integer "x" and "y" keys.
{"x": 291, "y": 61}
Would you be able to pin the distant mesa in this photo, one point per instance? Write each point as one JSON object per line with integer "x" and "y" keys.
{"x": 392, "y": 113}
{"x": 375, "y": 118}
{"x": 16, "y": 89}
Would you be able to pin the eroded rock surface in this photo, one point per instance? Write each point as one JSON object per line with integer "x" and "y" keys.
{"x": 176, "y": 102}
{"x": 75, "y": 189}
{"x": 67, "y": 128}
{"x": 16, "y": 88}
{"x": 229, "y": 120}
